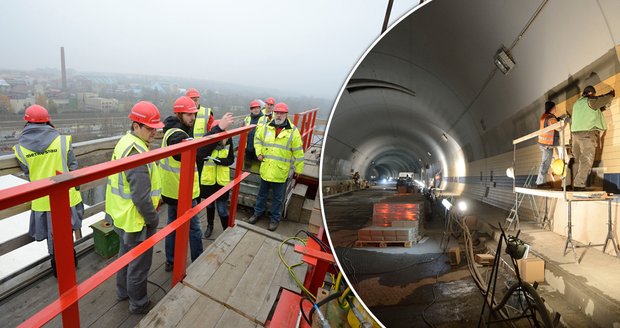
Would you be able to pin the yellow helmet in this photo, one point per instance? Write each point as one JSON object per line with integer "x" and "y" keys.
{"x": 557, "y": 167}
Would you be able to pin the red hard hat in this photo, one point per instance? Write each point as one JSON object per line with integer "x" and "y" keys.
{"x": 270, "y": 101}
{"x": 192, "y": 93}
{"x": 36, "y": 114}
{"x": 281, "y": 108}
{"x": 146, "y": 113}
{"x": 184, "y": 104}
{"x": 254, "y": 103}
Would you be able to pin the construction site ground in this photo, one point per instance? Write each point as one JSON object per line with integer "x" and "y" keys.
{"x": 401, "y": 284}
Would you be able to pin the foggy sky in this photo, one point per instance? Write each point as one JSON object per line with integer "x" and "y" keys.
{"x": 305, "y": 47}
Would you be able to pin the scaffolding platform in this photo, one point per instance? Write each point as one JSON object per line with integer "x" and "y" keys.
{"x": 234, "y": 283}
{"x": 578, "y": 196}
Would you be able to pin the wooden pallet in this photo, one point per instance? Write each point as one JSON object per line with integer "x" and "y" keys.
{"x": 383, "y": 243}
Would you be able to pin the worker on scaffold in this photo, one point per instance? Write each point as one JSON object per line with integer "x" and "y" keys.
{"x": 587, "y": 127}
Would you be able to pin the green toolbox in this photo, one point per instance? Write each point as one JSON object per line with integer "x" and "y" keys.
{"x": 106, "y": 240}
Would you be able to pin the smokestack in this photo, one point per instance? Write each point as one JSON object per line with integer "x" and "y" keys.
{"x": 64, "y": 71}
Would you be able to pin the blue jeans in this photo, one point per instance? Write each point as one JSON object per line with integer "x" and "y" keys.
{"x": 277, "y": 200}
{"x": 221, "y": 206}
{"x": 195, "y": 235}
{"x": 547, "y": 155}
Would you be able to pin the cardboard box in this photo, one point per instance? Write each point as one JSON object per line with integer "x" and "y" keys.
{"x": 454, "y": 253}
{"x": 405, "y": 224}
{"x": 532, "y": 269}
{"x": 484, "y": 259}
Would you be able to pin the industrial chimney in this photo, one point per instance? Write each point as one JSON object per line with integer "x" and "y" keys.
{"x": 64, "y": 71}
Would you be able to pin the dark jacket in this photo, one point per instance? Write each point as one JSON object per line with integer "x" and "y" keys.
{"x": 206, "y": 191}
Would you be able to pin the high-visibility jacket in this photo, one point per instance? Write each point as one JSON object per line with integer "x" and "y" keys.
{"x": 213, "y": 173}
{"x": 46, "y": 164}
{"x": 118, "y": 195}
{"x": 549, "y": 138}
{"x": 171, "y": 172}
{"x": 585, "y": 118}
{"x": 279, "y": 152}
{"x": 261, "y": 120}
{"x": 202, "y": 119}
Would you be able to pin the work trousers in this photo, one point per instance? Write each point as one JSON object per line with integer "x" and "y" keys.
{"x": 131, "y": 280}
{"x": 195, "y": 235}
{"x": 547, "y": 156}
{"x": 584, "y": 148}
{"x": 277, "y": 200}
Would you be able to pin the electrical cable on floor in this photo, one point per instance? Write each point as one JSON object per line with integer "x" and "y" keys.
{"x": 431, "y": 303}
{"x": 291, "y": 267}
{"x": 159, "y": 286}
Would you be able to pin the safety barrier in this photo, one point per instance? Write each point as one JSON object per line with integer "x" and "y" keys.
{"x": 57, "y": 188}
{"x": 306, "y": 128}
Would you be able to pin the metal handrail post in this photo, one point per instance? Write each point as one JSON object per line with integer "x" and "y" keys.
{"x": 184, "y": 204}
{"x": 243, "y": 138}
{"x": 60, "y": 210}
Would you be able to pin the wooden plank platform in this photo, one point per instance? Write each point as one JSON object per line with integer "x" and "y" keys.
{"x": 383, "y": 243}
{"x": 234, "y": 283}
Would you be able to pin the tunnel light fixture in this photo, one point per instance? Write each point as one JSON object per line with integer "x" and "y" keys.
{"x": 503, "y": 61}
{"x": 446, "y": 204}
{"x": 444, "y": 137}
{"x": 510, "y": 172}
{"x": 429, "y": 153}
{"x": 462, "y": 206}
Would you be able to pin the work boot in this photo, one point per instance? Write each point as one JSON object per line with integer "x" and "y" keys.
{"x": 253, "y": 219}
{"x": 208, "y": 231}
{"x": 168, "y": 267}
{"x": 273, "y": 225}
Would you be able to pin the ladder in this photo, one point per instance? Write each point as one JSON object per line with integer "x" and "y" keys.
{"x": 513, "y": 215}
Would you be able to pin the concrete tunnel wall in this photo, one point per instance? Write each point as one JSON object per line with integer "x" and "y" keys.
{"x": 433, "y": 74}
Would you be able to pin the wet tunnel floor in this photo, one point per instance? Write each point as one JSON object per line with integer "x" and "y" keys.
{"x": 403, "y": 287}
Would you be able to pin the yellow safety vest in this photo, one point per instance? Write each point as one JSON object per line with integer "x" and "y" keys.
{"x": 171, "y": 172}
{"x": 279, "y": 152}
{"x": 202, "y": 119}
{"x": 261, "y": 120}
{"x": 212, "y": 173}
{"x": 44, "y": 165}
{"x": 118, "y": 195}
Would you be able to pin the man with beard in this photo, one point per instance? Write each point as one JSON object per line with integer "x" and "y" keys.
{"x": 278, "y": 144}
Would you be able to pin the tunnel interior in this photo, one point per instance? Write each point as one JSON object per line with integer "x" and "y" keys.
{"x": 428, "y": 97}
{"x": 443, "y": 94}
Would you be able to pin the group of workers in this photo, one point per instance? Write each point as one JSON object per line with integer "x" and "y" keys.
{"x": 587, "y": 127}
{"x": 133, "y": 197}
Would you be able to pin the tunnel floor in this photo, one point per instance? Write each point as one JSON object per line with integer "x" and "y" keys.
{"x": 403, "y": 287}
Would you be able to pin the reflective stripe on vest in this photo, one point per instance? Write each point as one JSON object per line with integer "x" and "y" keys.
{"x": 118, "y": 195}
{"x": 212, "y": 173}
{"x": 171, "y": 171}
{"x": 547, "y": 137}
{"x": 279, "y": 152}
{"x": 200, "y": 124}
{"x": 46, "y": 164}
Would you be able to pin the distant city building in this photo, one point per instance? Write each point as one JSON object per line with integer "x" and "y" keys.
{"x": 81, "y": 99}
{"x": 98, "y": 104}
{"x": 19, "y": 105}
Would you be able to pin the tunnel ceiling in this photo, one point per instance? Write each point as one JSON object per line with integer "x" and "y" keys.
{"x": 434, "y": 73}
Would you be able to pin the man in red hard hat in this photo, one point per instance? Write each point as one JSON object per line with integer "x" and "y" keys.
{"x": 204, "y": 115}
{"x": 255, "y": 117}
{"x": 131, "y": 201}
{"x": 278, "y": 144}
{"x": 177, "y": 128}
{"x": 268, "y": 110}
{"x": 42, "y": 152}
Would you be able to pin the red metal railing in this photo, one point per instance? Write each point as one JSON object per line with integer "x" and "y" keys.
{"x": 57, "y": 188}
{"x": 306, "y": 128}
